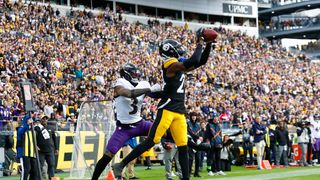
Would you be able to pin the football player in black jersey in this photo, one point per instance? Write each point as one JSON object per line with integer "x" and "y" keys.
{"x": 171, "y": 109}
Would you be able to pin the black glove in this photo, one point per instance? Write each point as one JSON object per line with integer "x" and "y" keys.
{"x": 199, "y": 34}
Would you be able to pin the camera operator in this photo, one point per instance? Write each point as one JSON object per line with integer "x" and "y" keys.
{"x": 303, "y": 140}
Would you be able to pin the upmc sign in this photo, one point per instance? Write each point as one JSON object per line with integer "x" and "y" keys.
{"x": 237, "y": 9}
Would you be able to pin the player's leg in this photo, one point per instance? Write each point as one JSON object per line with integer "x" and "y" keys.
{"x": 118, "y": 138}
{"x": 159, "y": 127}
{"x": 178, "y": 130}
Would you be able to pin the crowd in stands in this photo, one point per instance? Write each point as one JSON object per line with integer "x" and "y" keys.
{"x": 76, "y": 58}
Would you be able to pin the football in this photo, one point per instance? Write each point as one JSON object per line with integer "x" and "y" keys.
{"x": 209, "y": 35}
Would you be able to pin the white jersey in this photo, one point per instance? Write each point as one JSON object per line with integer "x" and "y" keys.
{"x": 129, "y": 109}
{"x": 315, "y": 130}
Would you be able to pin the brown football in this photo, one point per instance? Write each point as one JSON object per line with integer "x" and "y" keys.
{"x": 209, "y": 35}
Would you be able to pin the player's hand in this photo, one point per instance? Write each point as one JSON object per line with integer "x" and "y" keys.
{"x": 199, "y": 35}
{"x": 156, "y": 88}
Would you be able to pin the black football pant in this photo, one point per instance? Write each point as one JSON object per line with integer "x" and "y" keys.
{"x": 50, "y": 159}
{"x": 29, "y": 168}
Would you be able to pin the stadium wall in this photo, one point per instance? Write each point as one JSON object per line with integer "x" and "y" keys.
{"x": 211, "y": 7}
{"x": 215, "y": 7}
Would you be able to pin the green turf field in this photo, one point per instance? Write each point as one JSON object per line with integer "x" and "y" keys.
{"x": 294, "y": 173}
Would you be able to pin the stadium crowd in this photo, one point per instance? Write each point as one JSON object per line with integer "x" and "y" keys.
{"x": 76, "y": 58}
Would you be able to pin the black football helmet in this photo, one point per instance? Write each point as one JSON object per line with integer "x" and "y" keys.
{"x": 171, "y": 48}
{"x": 131, "y": 73}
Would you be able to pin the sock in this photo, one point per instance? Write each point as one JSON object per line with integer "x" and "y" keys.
{"x": 100, "y": 166}
{"x": 137, "y": 151}
{"x": 183, "y": 159}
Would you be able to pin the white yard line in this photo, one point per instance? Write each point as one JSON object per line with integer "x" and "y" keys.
{"x": 275, "y": 175}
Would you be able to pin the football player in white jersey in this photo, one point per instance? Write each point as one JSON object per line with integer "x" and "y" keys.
{"x": 129, "y": 95}
{"x": 315, "y": 136}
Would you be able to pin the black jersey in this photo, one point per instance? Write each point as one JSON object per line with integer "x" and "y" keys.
{"x": 174, "y": 91}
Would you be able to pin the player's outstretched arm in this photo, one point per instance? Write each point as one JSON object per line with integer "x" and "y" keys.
{"x": 121, "y": 91}
{"x": 205, "y": 55}
{"x": 132, "y": 93}
{"x": 156, "y": 95}
{"x": 197, "y": 59}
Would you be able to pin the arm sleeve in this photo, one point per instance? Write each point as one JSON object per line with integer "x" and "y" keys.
{"x": 156, "y": 95}
{"x": 25, "y": 127}
{"x": 22, "y": 130}
{"x": 204, "y": 56}
{"x": 194, "y": 60}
